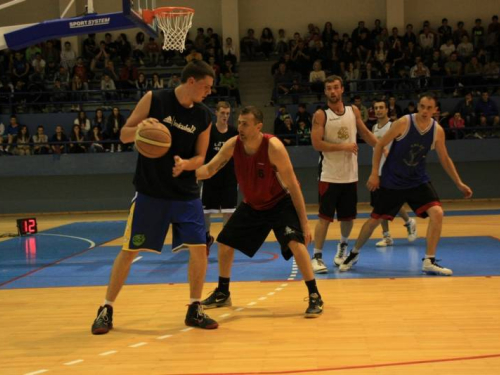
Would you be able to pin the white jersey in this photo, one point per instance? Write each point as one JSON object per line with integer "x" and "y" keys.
{"x": 379, "y": 133}
{"x": 340, "y": 167}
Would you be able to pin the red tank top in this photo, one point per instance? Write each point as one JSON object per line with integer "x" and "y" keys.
{"x": 257, "y": 177}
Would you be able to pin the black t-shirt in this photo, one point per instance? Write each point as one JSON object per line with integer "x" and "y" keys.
{"x": 226, "y": 176}
{"x": 153, "y": 177}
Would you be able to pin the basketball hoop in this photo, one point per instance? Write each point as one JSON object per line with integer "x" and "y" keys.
{"x": 174, "y": 22}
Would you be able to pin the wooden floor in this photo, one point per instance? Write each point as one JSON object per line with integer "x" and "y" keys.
{"x": 369, "y": 326}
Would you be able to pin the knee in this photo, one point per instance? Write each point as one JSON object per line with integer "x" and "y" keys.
{"x": 436, "y": 213}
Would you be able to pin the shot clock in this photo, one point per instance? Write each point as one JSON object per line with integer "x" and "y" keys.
{"x": 27, "y": 226}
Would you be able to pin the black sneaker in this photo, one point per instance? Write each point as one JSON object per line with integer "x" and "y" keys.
{"x": 104, "y": 321}
{"x": 315, "y": 308}
{"x": 195, "y": 317}
{"x": 217, "y": 299}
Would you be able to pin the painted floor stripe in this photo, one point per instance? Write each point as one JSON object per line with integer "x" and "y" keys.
{"x": 163, "y": 337}
{"x": 136, "y": 259}
{"x": 290, "y": 278}
{"x": 138, "y": 345}
{"x": 283, "y": 285}
{"x": 73, "y": 362}
{"x": 262, "y": 298}
{"x": 37, "y": 372}
{"x": 251, "y": 303}
{"x": 239, "y": 309}
{"x": 109, "y": 353}
{"x": 186, "y": 329}
{"x": 224, "y": 315}
{"x": 278, "y": 289}
{"x": 270, "y": 294}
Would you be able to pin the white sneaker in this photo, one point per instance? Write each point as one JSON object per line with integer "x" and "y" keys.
{"x": 411, "y": 227}
{"x": 429, "y": 266}
{"x": 384, "y": 242}
{"x": 341, "y": 254}
{"x": 350, "y": 261}
{"x": 318, "y": 265}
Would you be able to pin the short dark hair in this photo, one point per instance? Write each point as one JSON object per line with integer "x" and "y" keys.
{"x": 444, "y": 20}
{"x": 356, "y": 97}
{"x": 333, "y": 78}
{"x": 257, "y": 113}
{"x": 381, "y": 101}
{"x": 198, "y": 70}
{"x": 222, "y": 104}
{"x": 429, "y": 95}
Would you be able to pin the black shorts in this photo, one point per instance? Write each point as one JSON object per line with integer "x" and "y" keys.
{"x": 338, "y": 198}
{"x": 374, "y": 196}
{"x": 219, "y": 199}
{"x": 389, "y": 201}
{"x": 247, "y": 229}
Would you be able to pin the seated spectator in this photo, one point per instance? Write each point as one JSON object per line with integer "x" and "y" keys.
{"x": 459, "y": 33}
{"x": 200, "y": 40}
{"x": 152, "y": 50}
{"x": 194, "y": 55}
{"x": 317, "y": 78}
{"x": 410, "y": 109}
{"x": 79, "y": 92}
{"x": 173, "y": 81}
{"x": 216, "y": 68}
{"x": 282, "y": 82}
{"x": 491, "y": 73}
{"x": 89, "y": 49}
{"x": 303, "y": 115}
{"x": 108, "y": 88}
{"x": 142, "y": 85}
{"x": 419, "y": 73}
{"x": 351, "y": 77}
{"x": 57, "y": 141}
{"x": 467, "y": 110}
{"x": 38, "y": 64}
{"x": 447, "y": 48}
{"x": 20, "y": 68}
{"x": 83, "y": 122}
{"x": 474, "y": 73}
{"x": 487, "y": 111}
{"x": 435, "y": 64}
{"x": 114, "y": 125}
{"x": 478, "y": 34}
{"x": 365, "y": 48}
{"x": 229, "y": 67}
{"x": 281, "y": 42}
{"x": 394, "y": 110}
{"x": 123, "y": 47}
{"x": 58, "y": 95}
{"x": 50, "y": 53}
{"x": 304, "y": 134}
{"x": 380, "y": 54}
{"x": 465, "y": 49}
{"x": 453, "y": 70}
{"x": 102, "y": 57}
{"x": 157, "y": 82}
{"x": 455, "y": 124}
{"x": 287, "y": 135}
{"x": 362, "y": 109}
{"x": 110, "y": 71}
{"x": 296, "y": 90}
{"x": 267, "y": 42}
{"x": 63, "y": 76}
{"x": 231, "y": 83}
{"x": 41, "y": 142}
{"x": 80, "y": 70}
{"x": 317, "y": 51}
{"x": 22, "y": 141}
{"x": 230, "y": 51}
{"x": 128, "y": 77}
{"x": 96, "y": 138}
{"x": 444, "y": 32}
{"x": 411, "y": 53}
{"x": 279, "y": 121}
{"x": 138, "y": 48}
{"x": 77, "y": 138}
{"x": 99, "y": 120}
{"x": 249, "y": 44}
{"x": 12, "y": 132}
{"x": 301, "y": 58}
{"x": 68, "y": 57}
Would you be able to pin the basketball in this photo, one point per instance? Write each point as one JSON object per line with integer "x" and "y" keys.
{"x": 153, "y": 142}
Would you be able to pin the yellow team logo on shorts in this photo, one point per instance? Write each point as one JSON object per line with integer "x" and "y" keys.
{"x": 343, "y": 133}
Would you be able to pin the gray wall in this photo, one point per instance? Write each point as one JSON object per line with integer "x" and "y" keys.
{"x": 90, "y": 182}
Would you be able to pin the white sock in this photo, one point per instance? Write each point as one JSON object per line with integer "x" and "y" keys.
{"x": 318, "y": 251}
{"x": 344, "y": 239}
{"x": 408, "y": 222}
{"x": 106, "y": 302}
{"x": 386, "y": 234}
{"x": 193, "y": 300}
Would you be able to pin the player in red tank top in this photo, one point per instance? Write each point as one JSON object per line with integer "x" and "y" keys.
{"x": 272, "y": 200}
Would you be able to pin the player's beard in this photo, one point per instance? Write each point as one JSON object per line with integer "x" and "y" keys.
{"x": 334, "y": 99}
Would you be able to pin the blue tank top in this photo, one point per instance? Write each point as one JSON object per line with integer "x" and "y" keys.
{"x": 405, "y": 164}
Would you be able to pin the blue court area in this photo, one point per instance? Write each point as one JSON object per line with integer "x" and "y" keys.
{"x": 71, "y": 255}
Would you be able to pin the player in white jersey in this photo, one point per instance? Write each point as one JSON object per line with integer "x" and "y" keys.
{"x": 379, "y": 129}
{"x": 334, "y": 134}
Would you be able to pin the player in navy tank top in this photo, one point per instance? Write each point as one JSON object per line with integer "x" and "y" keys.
{"x": 404, "y": 180}
{"x": 272, "y": 200}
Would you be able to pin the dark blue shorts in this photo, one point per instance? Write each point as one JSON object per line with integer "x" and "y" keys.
{"x": 150, "y": 218}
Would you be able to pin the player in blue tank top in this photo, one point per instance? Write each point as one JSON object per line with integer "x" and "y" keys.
{"x": 404, "y": 180}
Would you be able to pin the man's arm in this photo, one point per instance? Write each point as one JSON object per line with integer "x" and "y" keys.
{"x": 218, "y": 161}
{"x": 397, "y": 128}
{"x": 363, "y": 131}
{"x": 280, "y": 159}
{"x": 318, "y": 132}
{"x": 138, "y": 117}
{"x": 199, "y": 157}
{"x": 448, "y": 164}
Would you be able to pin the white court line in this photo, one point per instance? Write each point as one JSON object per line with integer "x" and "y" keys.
{"x": 73, "y": 362}
{"x": 92, "y": 243}
{"x": 37, "y": 372}
{"x": 262, "y": 298}
{"x": 278, "y": 289}
{"x": 136, "y": 259}
{"x": 138, "y": 345}
{"x": 270, "y": 294}
{"x": 251, "y": 303}
{"x": 163, "y": 337}
{"x": 186, "y": 329}
{"x": 109, "y": 353}
{"x": 224, "y": 315}
{"x": 284, "y": 285}
{"x": 239, "y": 309}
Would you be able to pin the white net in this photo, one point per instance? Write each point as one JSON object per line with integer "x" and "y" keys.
{"x": 175, "y": 25}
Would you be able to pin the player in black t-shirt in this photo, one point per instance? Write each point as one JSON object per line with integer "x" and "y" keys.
{"x": 167, "y": 191}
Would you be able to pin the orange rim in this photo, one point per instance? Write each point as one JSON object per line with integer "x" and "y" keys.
{"x": 148, "y": 15}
